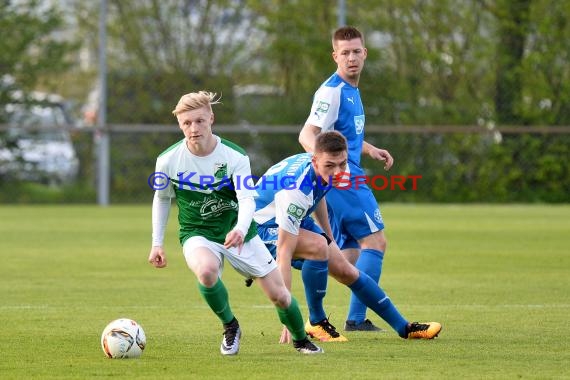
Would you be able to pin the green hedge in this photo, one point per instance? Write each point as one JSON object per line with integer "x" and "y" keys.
{"x": 453, "y": 167}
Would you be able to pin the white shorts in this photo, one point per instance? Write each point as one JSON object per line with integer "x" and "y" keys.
{"x": 254, "y": 260}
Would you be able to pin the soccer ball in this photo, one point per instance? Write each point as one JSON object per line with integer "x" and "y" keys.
{"x": 123, "y": 338}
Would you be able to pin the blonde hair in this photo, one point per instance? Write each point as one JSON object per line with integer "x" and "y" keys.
{"x": 195, "y": 100}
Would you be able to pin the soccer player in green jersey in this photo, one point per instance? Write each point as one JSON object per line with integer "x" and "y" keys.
{"x": 210, "y": 178}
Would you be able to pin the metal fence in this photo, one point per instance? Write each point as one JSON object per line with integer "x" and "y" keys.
{"x": 432, "y": 164}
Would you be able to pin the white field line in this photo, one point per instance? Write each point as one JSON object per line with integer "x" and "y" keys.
{"x": 269, "y": 306}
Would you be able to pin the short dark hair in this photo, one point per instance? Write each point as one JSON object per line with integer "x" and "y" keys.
{"x": 330, "y": 142}
{"x": 347, "y": 33}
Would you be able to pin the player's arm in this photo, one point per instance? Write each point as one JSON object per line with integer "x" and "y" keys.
{"x": 322, "y": 217}
{"x": 286, "y": 244}
{"x": 290, "y": 208}
{"x": 246, "y": 203}
{"x": 308, "y": 136}
{"x": 378, "y": 154}
{"x": 160, "y": 211}
{"x": 323, "y": 115}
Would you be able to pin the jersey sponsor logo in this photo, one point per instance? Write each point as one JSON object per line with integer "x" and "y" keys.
{"x": 359, "y": 124}
{"x": 350, "y": 100}
{"x": 321, "y": 108}
{"x": 220, "y": 170}
{"x": 295, "y": 211}
{"x": 212, "y": 207}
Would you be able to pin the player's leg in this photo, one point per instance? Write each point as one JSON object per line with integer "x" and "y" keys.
{"x": 354, "y": 226}
{"x": 351, "y": 254}
{"x": 206, "y": 263}
{"x": 309, "y": 257}
{"x": 310, "y": 254}
{"x": 369, "y": 261}
{"x": 256, "y": 261}
{"x": 370, "y": 294}
{"x": 287, "y": 307}
{"x": 366, "y": 289}
{"x": 312, "y": 247}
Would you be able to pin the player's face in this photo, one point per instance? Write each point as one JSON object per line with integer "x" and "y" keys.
{"x": 329, "y": 166}
{"x": 349, "y": 57}
{"x": 197, "y": 126}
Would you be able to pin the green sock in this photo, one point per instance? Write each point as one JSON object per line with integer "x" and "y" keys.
{"x": 217, "y": 298}
{"x": 292, "y": 318}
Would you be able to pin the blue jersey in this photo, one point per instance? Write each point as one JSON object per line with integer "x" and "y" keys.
{"x": 353, "y": 214}
{"x": 337, "y": 106}
{"x": 288, "y": 193}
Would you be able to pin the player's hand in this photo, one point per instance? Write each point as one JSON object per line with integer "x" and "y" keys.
{"x": 382, "y": 155}
{"x": 285, "y": 336}
{"x": 157, "y": 257}
{"x": 234, "y": 238}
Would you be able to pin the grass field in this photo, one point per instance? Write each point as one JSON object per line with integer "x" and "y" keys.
{"x": 496, "y": 277}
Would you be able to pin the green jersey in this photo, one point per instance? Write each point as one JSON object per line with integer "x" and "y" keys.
{"x": 207, "y": 189}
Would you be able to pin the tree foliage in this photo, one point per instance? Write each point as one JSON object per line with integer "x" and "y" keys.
{"x": 30, "y": 47}
{"x": 430, "y": 62}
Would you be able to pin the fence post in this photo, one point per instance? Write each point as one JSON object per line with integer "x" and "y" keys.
{"x": 102, "y": 134}
{"x": 341, "y": 12}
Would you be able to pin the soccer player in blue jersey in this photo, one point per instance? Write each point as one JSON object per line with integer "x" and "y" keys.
{"x": 287, "y": 194}
{"x": 354, "y": 215}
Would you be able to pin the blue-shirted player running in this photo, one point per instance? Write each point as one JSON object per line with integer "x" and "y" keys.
{"x": 287, "y": 194}
{"x": 354, "y": 214}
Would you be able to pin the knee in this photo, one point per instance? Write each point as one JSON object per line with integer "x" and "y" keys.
{"x": 320, "y": 249}
{"x": 375, "y": 241}
{"x": 281, "y": 298}
{"x": 207, "y": 276}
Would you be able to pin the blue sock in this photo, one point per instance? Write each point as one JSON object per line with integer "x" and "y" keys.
{"x": 315, "y": 276}
{"x": 369, "y": 262}
{"x": 370, "y": 293}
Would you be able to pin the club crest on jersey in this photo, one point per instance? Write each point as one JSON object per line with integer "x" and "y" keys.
{"x": 220, "y": 170}
{"x": 295, "y": 211}
{"x": 378, "y": 216}
{"x": 359, "y": 124}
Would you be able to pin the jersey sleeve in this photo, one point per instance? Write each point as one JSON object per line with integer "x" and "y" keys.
{"x": 244, "y": 193}
{"x": 160, "y": 211}
{"x": 291, "y": 207}
{"x": 324, "y": 111}
{"x": 162, "y": 181}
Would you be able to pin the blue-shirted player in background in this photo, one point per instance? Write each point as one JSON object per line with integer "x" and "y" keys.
{"x": 354, "y": 214}
{"x": 287, "y": 194}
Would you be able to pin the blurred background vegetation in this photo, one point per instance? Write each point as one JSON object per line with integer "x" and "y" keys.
{"x": 465, "y": 63}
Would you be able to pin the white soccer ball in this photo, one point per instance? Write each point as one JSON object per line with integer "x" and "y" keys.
{"x": 123, "y": 338}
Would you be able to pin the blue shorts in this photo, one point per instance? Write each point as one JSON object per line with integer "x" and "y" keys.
{"x": 353, "y": 215}
{"x": 269, "y": 234}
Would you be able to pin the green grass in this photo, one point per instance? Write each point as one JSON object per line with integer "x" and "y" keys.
{"x": 497, "y": 277}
